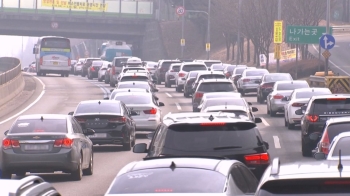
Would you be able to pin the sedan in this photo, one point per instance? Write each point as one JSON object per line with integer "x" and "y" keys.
{"x": 146, "y": 108}
{"x": 102, "y": 72}
{"x": 250, "y": 80}
{"x": 111, "y": 120}
{"x": 297, "y": 99}
{"x": 42, "y": 143}
{"x": 281, "y": 89}
{"x": 190, "y": 78}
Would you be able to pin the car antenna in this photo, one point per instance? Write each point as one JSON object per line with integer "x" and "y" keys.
{"x": 340, "y": 165}
{"x": 99, "y": 102}
{"x": 129, "y": 90}
{"x": 42, "y": 118}
{"x": 172, "y": 166}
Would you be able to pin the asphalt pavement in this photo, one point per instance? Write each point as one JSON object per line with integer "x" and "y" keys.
{"x": 55, "y": 94}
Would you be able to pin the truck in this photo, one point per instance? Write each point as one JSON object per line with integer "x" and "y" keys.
{"x": 112, "y": 49}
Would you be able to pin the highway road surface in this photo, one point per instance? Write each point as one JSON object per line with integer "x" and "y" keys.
{"x": 54, "y": 94}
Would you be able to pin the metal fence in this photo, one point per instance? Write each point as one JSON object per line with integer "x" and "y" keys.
{"x": 9, "y": 75}
{"x": 341, "y": 28}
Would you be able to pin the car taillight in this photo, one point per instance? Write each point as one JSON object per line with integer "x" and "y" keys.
{"x": 64, "y": 143}
{"x": 182, "y": 75}
{"x": 151, "y": 111}
{"x": 41, "y": 61}
{"x": 117, "y": 120}
{"x": 278, "y": 96}
{"x": 8, "y": 143}
{"x": 198, "y": 95}
{"x": 81, "y": 120}
{"x": 262, "y": 158}
{"x": 312, "y": 118}
{"x": 325, "y": 143}
{"x": 213, "y": 124}
{"x": 92, "y": 68}
{"x": 69, "y": 62}
{"x": 297, "y": 104}
{"x": 246, "y": 80}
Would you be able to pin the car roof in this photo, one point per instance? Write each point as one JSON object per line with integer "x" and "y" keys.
{"x": 133, "y": 82}
{"x": 290, "y": 81}
{"x": 135, "y": 74}
{"x": 259, "y": 69}
{"x": 215, "y": 80}
{"x": 311, "y": 89}
{"x": 210, "y": 72}
{"x": 267, "y": 74}
{"x": 192, "y": 63}
{"x": 101, "y": 101}
{"x": 338, "y": 120}
{"x": 331, "y": 96}
{"x": 241, "y": 67}
{"x": 343, "y": 134}
{"x": 176, "y": 64}
{"x": 226, "y": 107}
{"x": 207, "y": 60}
{"x": 130, "y": 90}
{"x": 132, "y": 93}
{"x": 45, "y": 116}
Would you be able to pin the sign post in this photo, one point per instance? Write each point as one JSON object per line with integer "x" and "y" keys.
{"x": 278, "y": 51}
{"x": 327, "y": 42}
{"x": 207, "y": 47}
{"x": 180, "y": 11}
{"x": 278, "y": 39}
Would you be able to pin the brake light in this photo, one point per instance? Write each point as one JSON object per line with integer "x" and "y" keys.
{"x": 325, "y": 143}
{"x": 69, "y": 62}
{"x": 8, "y": 143}
{"x": 182, "y": 75}
{"x": 163, "y": 190}
{"x": 64, "y": 143}
{"x": 312, "y": 118}
{"x": 336, "y": 99}
{"x": 262, "y": 158}
{"x": 151, "y": 111}
{"x": 213, "y": 124}
{"x": 117, "y": 120}
{"x": 134, "y": 76}
{"x": 198, "y": 95}
{"x": 278, "y": 96}
{"x": 41, "y": 61}
{"x": 92, "y": 68}
{"x": 297, "y": 104}
{"x": 81, "y": 120}
{"x": 246, "y": 80}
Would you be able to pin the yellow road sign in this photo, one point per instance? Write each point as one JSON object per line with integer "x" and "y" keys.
{"x": 278, "y": 31}
{"x": 326, "y": 54}
{"x": 207, "y": 46}
{"x": 182, "y": 42}
{"x": 278, "y": 51}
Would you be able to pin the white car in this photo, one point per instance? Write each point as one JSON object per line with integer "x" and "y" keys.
{"x": 102, "y": 70}
{"x": 146, "y": 106}
{"x": 340, "y": 142}
{"x": 180, "y": 77}
{"x": 296, "y": 100}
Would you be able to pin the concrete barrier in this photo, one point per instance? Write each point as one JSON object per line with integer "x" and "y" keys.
{"x": 337, "y": 84}
{"x": 11, "y": 80}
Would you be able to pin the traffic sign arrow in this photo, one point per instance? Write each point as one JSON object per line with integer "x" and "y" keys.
{"x": 326, "y": 43}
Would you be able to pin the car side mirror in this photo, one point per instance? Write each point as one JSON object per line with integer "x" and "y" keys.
{"x": 266, "y": 145}
{"x": 140, "y": 148}
{"x": 150, "y": 135}
{"x": 315, "y": 136}
{"x": 106, "y": 98}
{"x": 299, "y": 112}
{"x": 133, "y": 113}
{"x": 89, "y": 131}
{"x": 249, "y": 103}
{"x": 285, "y": 99}
{"x": 319, "y": 156}
{"x": 111, "y": 90}
{"x": 71, "y": 113}
{"x": 254, "y": 109}
{"x": 6, "y": 132}
{"x": 258, "y": 120}
{"x": 161, "y": 104}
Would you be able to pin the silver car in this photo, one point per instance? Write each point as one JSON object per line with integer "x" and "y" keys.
{"x": 281, "y": 89}
{"x": 170, "y": 75}
{"x": 79, "y": 66}
{"x": 146, "y": 106}
{"x": 223, "y": 101}
{"x": 250, "y": 80}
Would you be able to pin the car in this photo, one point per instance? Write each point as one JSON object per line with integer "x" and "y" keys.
{"x": 87, "y": 64}
{"x": 28, "y": 186}
{"x": 144, "y": 77}
{"x": 185, "y": 60}
{"x": 237, "y": 101}
{"x": 136, "y": 69}
{"x": 206, "y": 75}
{"x": 112, "y": 121}
{"x": 95, "y": 68}
{"x": 217, "y": 67}
{"x": 237, "y": 73}
{"x": 133, "y": 62}
{"x": 338, "y": 147}
{"x": 250, "y": 80}
{"x": 332, "y": 128}
{"x": 72, "y": 65}
{"x": 319, "y": 109}
{"x": 190, "y": 78}
{"x": 117, "y": 66}
{"x": 137, "y": 84}
{"x": 102, "y": 71}
{"x": 147, "y": 108}
{"x": 228, "y": 71}
{"x": 43, "y": 143}
{"x": 326, "y": 178}
{"x": 163, "y": 67}
{"x": 210, "y": 85}
{"x": 209, "y": 134}
{"x": 171, "y": 73}
{"x": 208, "y": 63}
{"x": 151, "y": 66}
{"x": 281, "y": 89}
{"x": 241, "y": 111}
{"x": 267, "y": 82}
{"x": 184, "y": 176}
{"x": 299, "y": 97}
{"x": 184, "y": 70}
{"x": 79, "y": 66}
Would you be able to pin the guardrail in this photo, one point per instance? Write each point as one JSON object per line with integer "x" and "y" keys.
{"x": 340, "y": 28}
{"x": 9, "y": 75}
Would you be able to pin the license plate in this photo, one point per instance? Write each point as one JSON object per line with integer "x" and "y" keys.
{"x": 36, "y": 147}
{"x": 55, "y": 63}
{"x": 99, "y": 135}
{"x": 325, "y": 118}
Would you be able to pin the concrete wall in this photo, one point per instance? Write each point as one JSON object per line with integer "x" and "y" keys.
{"x": 152, "y": 45}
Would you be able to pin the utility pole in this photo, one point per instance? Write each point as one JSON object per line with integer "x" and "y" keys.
{"x": 239, "y": 33}
{"x": 208, "y": 31}
{"x": 279, "y": 18}
{"x": 183, "y": 30}
{"x": 327, "y": 32}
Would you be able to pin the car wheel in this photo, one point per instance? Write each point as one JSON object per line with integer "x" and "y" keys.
{"x": 291, "y": 126}
{"x": 6, "y": 175}
{"x": 106, "y": 81}
{"x": 186, "y": 94}
{"x": 305, "y": 149}
{"x": 242, "y": 92}
{"x": 178, "y": 89}
{"x": 267, "y": 109}
{"x": 99, "y": 79}
{"x": 67, "y": 74}
{"x": 75, "y": 73}
{"x": 272, "y": 113}
{"x": 166, "y": 84}
{"x": 77, "y": 174}
{"x": 127, "y": 146}
{"x": 158, "y": 81}
{"x": 90, "y": 170}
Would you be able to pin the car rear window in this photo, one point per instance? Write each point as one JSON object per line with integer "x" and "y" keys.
{"x": 189, "y": 68}
{"x": 165, "y": 65}
{"x": 211, "y": 76}
{"x": 40, "y": 126}
{"x": 134, "y": 85}
{"x": 336, "y": 129}
{"x": 343, "y": 145}
{"x": 309, "y": 187}
{"x": 134, "y": 78}
{"x": 216, "y": 87}
{"x": 277, "y": 77}
{"x": 218, "y": 67}
{"x": 256, "y": 72}
{"x": 93, "y": 107}
{"x": 119, "y": 61}
{"x": 291, "y": 86}
{"x": 331, "y": 106}
{"x": 186, "y": 138}
{"x": 230, "y": 67}
{"x": 302, "y": 95}
{"x": 133, "y": 68}
{"x": 180, "y": 180}
{"x": 224, "y": 101}
{"x": 134, "y": 98}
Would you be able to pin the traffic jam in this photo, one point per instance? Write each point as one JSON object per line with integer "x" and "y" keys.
{"x": 216, "y": 149}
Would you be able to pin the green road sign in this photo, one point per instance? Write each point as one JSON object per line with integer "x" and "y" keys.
{"x": 305, "y": 34}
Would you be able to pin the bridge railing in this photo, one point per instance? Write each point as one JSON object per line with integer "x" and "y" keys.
{"x": 82, "y": 8}
{"x": 10, "y": 68}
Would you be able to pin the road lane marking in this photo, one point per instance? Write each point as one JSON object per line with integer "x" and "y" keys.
{"x": 104, "y": 90}
{"x": 264, "y": 122}
{"x": 178, "y": 106}
{"x": 276, "y": 140}
{"x": 30, "y": 105}
{"x": 168, "y": 95}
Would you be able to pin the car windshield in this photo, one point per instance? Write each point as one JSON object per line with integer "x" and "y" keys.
{"x": 211, "y": 76}
{"x": 134, "y": 78}
{"x": 224, "y": 101}
{"x": 134, "y": 98}
{"x": 180, "y": 180}
{"x": 40, "y": 126}
{"x": 256, "y": 72}
{"x": 216, "y": 87}
{"x": 189, "y": 68}
{"x": 98, "y": 107}
{"x": 291, "y": 86}
{"x": 133, "y": 85}
{"x": 331, "y": 106}
{"x": 306, "y": 94}
{"x": 277, "y": 77}
{"x": 335, "y": 129}
{"x": 343, "y": 145}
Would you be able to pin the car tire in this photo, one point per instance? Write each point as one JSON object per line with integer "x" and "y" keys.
{"x": 166, "y": 84}
{"x": 127, "y": 146}
{"x": 158, "y": 81}
{"x": 285, "y": 122}
{"x": 99, "y": 79}
{"x": 305, "y": 149}
{"x": 178, "y": 89}
{"x": 90, "y": 170}
{"x": 106, "y": 81}
{"x": 67, "y": 74}
{"x": 290, "y": 126}
{"x": 77, "y": 175}
{"x": 75, "y": 73}
{"x": 82, "y": 74}
{"x": 186, "y": 94}
{"x": 38, "y": 73}
{"x": 6, "y": 175}
{"x": 267, "y": 109}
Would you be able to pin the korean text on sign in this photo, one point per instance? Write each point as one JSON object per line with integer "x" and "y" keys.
{"x": 74, "y": 5}
{"x": 278, "y": 30}
{"x": 301, "y": 31}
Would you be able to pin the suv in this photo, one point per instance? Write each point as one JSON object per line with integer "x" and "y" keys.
{"x": 209, "y": 134}
{"x": 171, "y": 73}
{"x": 319, "y": 109}
{"x": 211, "y": 85}
{"x": 180, "y": 78}
{"x": 328, "y": 178}
{"x": 163, "y": 66}
{"x": 86, "y": 65}
{"x": 117, "y": 66}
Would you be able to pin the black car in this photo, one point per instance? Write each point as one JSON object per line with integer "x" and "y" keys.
{"x": 163, "y": 66}
{"x": 319, "y": 109}
{"x": 209, "y": 134}
{"x": 111, "y": 120}
{"x": 267, "y": 82}
{"x": 190, "y": 78}
{"x": 44, "y": 143}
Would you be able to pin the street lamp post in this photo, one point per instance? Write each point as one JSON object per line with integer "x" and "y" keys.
{"x": 239, "y": 32}
{"x": 279, "y": 18}
{"x": 208, "y": 31}
{"x": 183, "y": 29}
{"x": 327, "y": 32}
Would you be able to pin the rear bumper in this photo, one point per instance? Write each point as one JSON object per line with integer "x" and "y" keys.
{"x": 146, "y": 124}
{"x": 55, "y": 68}
{"x": 249, "y": 88}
